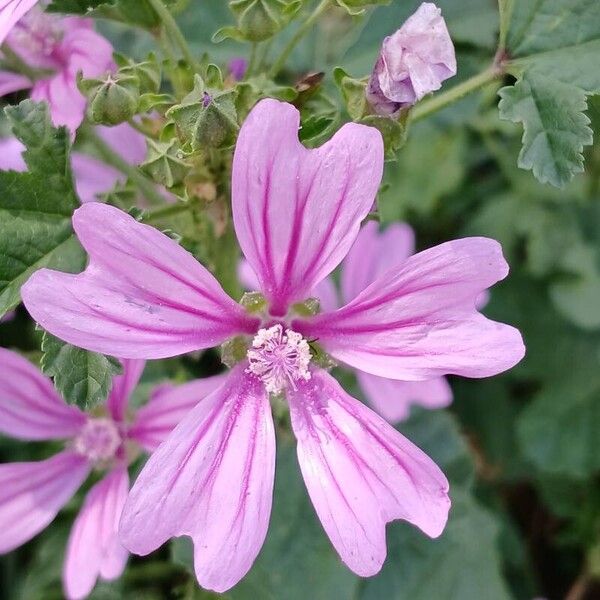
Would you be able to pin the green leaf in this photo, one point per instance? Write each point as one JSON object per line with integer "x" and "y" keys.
{"x": 559, "y": 431}
{"x": 36, "y": 206}
{"x": 82, "y": 378}
{"x": 552, "y": 47}
{"x": 577, "y": 295}
{"x": 462, "y": 564}
{"x": 555, "y": 127}
{"x": 437, "y": 433}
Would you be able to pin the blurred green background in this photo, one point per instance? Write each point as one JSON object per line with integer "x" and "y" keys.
{"x": 522, "y": 450}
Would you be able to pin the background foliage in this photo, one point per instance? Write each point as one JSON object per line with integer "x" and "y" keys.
{"x": 522, "y": 451}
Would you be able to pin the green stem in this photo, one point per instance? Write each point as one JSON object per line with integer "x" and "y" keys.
{"x": 252, "y": 60}
{"x": 157, "y": 214}
{"x": 428, "y": 107}
{"x": 300, "y": 33}
{"x": 146, "y": 187}
{"x": 171, "y": 26}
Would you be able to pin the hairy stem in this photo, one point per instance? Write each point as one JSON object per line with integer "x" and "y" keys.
{"x": 428, "y": 107}
{"x": 172, "y": 28}
{"x": 157, "y": 214}
{"x": 300, "y": 33}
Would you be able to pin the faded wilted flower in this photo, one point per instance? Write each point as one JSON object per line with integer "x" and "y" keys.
{"x": 412, "y": 63}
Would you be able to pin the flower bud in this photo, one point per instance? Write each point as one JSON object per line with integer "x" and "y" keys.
{"x": 412, "y": 63}
{"x": 112, "y": 100}
{"x": 258, "y": 20}
{"x": 206, "y": 118}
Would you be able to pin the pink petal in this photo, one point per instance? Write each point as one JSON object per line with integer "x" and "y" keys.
{"x": 141, "y": 296}
{"x": 92, "y": 177}
{"x": 374, "y": 253}
{"x": 31, "y": 493}
{"x": 11, "y": 151}
{"x": 85, "y": 50}
{"x": 126, "y": 141}
{"x": 361, "y": 473}
{"x": 12, "y": 82}
{"x": 212, "y": 479}
{"x": 297, "y": 211}
{"x": 94, "y": 549}
{"x": 10, "y": 12}
{"x": 167, "y": 407}
{"x": 67, "y": 105}
{"x": 419, "y": 320}
{"x": 30, "y": 409}
{"x": 122, "y": 387}
{"x": 392, "y": 399}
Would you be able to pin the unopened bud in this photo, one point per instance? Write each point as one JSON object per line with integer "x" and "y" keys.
{"x": 205, "y": 118}
{"x": 111, "y": 100}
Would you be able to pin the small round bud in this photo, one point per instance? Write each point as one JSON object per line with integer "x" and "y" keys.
{"x": 112, "y": 100}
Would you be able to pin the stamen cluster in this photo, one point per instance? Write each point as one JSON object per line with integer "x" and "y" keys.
{"x": 279, "y": 358}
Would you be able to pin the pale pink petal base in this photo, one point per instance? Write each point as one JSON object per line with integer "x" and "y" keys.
{"x": 30, "y": 408}
{"x": 31, "y": 493}
{"x": 361, "y": 473}
{"x": 393, "y": 399}
{"x": 141, "y": 296}
{"x": 212, "y": 479}
{"x": 94, "y": 549}
{"x": 167, "y": 407}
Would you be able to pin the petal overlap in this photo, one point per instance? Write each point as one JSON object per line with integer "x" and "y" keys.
{"x": 167, "y": 407}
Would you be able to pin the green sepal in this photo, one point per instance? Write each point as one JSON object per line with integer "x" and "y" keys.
{"x": 164, "y": 163}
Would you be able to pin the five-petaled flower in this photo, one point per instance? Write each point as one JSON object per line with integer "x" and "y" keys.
{"x": 412, "y": 62}
{"x": 32, "y": 493}
{"x": 296, "y": 212}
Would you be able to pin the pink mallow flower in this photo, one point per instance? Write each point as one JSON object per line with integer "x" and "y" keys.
{"x": 92, "y": 177}
{"x": 64, "y": 46}
{"x": 296, "y": 213}
{"x": 32, "y": 493}
{"x": 412, "y": 62}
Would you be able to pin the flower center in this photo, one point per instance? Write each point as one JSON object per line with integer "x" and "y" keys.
{"x": 98, "y": 440}
{"x": 279, "y": 358}
{"x": 36, "y": 35}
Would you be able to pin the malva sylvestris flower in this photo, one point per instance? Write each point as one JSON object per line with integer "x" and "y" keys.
{"x": 64, "y": 46}
{"x": 32, "y": 493}
{"x": 413, "y": 62}
{"x": 296, "y": 213}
